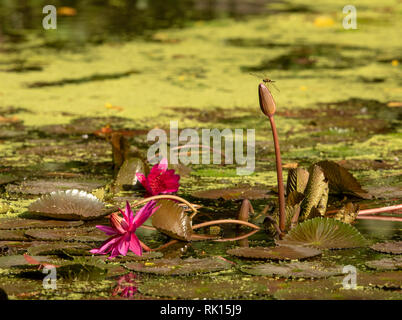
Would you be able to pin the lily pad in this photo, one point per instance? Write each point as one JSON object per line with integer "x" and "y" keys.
{"x": 73, "y": 234}
{"x": 16, "y": 235}
{"x": 126, "y": 178}
{"x": 309, "y": 292}
{"x": 39, "y": 187}
{"x": 275, "y": 253}
{"x": 293, "y": 270}
{"x": 202, "y": 288}
{"x": 19, "y": 260}
{"x": 81, "y": 271}
{"x": 297, "y": 180}
{"x": 393, "y": 247}
{"x": 341, "y": 181}
{"x": 15, "y": 223}
{"x": 22, "y": 288}
{"x": 175, "y": 267}
{"x": 172, "y": 220}
{"x": 240, "y": 193}
{"x": 324, "y": 233}
{"x": 315, "y": 195}
{"x": 70, "y": 205}
{"x": 386, "y": 264}
{"x": 389, "y": 279}
{"x": 14, "y": 247}
{"x": 145, "y": 256}
{"x": 60, "y": 248}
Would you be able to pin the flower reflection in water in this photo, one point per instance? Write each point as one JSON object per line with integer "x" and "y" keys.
{"x": 126, "y": 286}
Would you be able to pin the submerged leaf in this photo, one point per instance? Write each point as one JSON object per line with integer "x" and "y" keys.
{"x": 172, "y": 220}
{"x": 297, "y": 180}
{"x": 275, "y": 253}
{"x": 324, "y": 233}
{"x": 293, "y": 270}
{"x": 393, "y": 247}
{"x": 341, "y": 181}
{"x": 174, "y": 267}
{"x": 316, "y": 194}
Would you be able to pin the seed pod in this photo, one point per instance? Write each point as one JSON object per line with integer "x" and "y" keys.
{"x": 267, "y": 103}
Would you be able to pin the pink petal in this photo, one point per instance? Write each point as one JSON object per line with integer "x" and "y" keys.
{"x": 144, "y": 181}
{"x": 163, "y": 165}
{"x": 108, "y": 230}
{"x": 124, "y": 244}
{"x": 144, "y": 213}
{"x": 135, "y": 245}
{"x": 108, "y": 245}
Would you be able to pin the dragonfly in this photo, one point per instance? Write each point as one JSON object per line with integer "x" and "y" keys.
{"x": 268, "y": 82}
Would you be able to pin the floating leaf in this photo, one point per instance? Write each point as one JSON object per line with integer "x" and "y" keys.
{"x": 293, "y": 270}
{"x": 60, "y": 248}
{"x": 17, "y": 261}
{"x": 240, "y": 193}
{"x": 16, "y": 235}
{"x": 145, "y": 256}
{"x": 389, "y": 279}
{"x": 297, "y": 180}
{"x": 175, "y": 267}
{"x": 14, "y": 247}
{"x": 126, "y": 178}
{"x": 171, "y": 219}
{"x": 39, "y": 187}
{"x": 347, "y": 214}
{"x": 393, "y": 247}
{"x": 307, "y": 291}
{"x": 324, "y": 233}
{"x": 70, "y": 205}
{"x": 81, "y": 271}
{"x": 386, "y": 264}
{"x": 15, "y": 223}
{"x": 73, "y": 234}
{"x": 316, "y": 194}
{"x": 341, "y": 181}
{"x": 275, "y": 253}
{"x": 202, "y": 288}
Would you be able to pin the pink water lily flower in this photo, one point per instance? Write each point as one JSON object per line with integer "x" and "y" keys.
{"x": 123, "y": 230}
{"x": 160, "y": 180}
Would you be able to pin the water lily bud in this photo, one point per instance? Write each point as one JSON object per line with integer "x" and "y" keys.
{"x": 267, "y": 103}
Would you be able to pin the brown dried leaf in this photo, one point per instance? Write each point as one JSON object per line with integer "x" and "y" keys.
{"x": 297, "y": 180}
{"x": 341, "y": 181}
{"x": 172, "y": 220}
{"x": 316, "y": 193}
